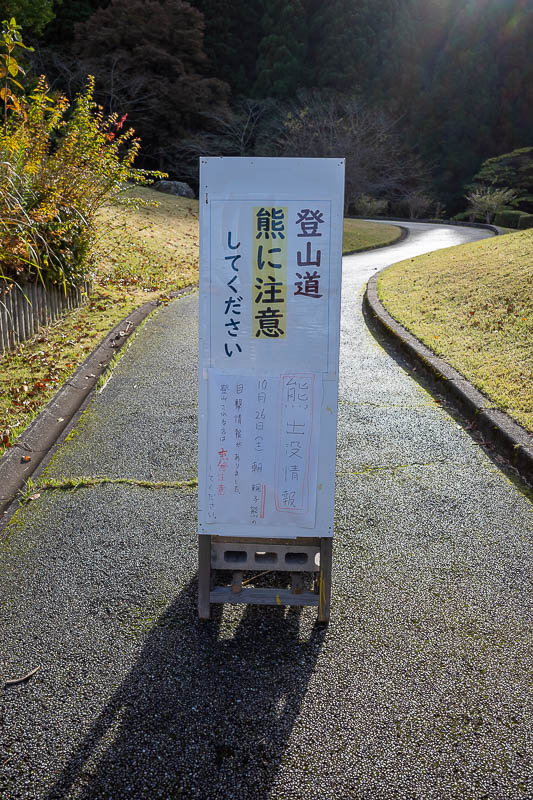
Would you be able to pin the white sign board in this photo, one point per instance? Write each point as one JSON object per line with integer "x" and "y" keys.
{"x": 270, "y": 283}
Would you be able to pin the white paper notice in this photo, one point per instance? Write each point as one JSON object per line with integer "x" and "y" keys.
{"x": 263, "y": 438}
{"x": 270, "y": 286}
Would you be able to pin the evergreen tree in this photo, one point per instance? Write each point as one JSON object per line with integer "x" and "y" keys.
{"x": 281, "y": 63}
{"x": 349, "y": 41}
{"x": 157, "y": 78}
{"x": 461, "y": 73}
{"x": 332, "y": 31}
{"x": 232, "y": 36}
{"x": 513, "y": 170}
{"x": 32, "y": 15}
{"x": 60, "y": 32}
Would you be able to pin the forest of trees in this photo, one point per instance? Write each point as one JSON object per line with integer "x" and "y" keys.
{"x": 416, "y": 94}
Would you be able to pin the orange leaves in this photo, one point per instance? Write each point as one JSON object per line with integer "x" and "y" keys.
{"x": 63, "y": 166}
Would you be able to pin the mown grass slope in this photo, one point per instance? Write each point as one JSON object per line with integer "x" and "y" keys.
{"x": 473, "y": 306}
{"x": 361, "y": 235}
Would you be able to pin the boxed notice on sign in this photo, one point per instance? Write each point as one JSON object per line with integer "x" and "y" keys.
{"x": 263, "y": 441}
{"x": 271, "y": 240}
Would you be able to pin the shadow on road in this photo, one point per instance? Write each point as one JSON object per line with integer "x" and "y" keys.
{"x": 425, "y": 379}
{"x": 200, "y": 715}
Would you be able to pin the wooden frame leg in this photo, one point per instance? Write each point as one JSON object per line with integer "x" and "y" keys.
{"x": 204, "y": 576}
{"x": 236, "y": 581}
{"x": 297, "y": 582}
{"x": 324, "y": 581}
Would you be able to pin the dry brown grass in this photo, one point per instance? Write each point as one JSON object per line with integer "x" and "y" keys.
{"x": 141, "y": 255}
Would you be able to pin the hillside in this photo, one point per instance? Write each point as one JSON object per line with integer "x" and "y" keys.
{"x": 473, "y": 306}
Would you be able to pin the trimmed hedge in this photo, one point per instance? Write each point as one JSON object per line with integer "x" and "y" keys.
{"x": 468, "y": 216}
{"x": 525, "y": 221}
{"x": 509, "y": 218}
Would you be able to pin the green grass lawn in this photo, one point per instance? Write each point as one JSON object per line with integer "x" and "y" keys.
{"x": 361, "y": 235}
{"x": 141, "y": 255}
{"x": 473, "y": 306}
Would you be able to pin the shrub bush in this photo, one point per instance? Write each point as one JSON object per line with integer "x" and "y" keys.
{"x": 367, "y": 206}
{"x": 468, "y": 216}
{"x": 488, "y": 201}
{"x": 525, "y": 221}
{"x": 58, "y": 165}
{"x": 56, "y": 171}
{"x": 508, "y": 218}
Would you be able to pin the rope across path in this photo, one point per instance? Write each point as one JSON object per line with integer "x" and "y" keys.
{"x": 418, "y": 688}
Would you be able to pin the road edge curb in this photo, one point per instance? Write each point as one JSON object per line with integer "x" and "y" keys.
{"x": 509, "y": 438}
{"x": 487, "y": 226}
{"x": 53, "y": 421}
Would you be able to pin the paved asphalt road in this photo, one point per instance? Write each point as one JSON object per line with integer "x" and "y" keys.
{"x": 419, "y": 688}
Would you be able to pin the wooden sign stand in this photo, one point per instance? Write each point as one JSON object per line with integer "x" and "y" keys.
{"x": 243, "y": 554}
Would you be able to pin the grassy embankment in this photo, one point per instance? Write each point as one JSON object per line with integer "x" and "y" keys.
{"x": 473, "y": 306}
{"x": 142, "y": 255}
{"x": 358, "y": 235}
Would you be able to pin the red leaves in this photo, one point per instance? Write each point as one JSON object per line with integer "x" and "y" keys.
{"x": 110, "y": 136}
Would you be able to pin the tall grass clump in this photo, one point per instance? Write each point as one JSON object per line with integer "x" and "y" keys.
{"x": 59, "y": 163}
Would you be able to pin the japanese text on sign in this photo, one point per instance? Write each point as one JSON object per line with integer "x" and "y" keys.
{"x": 232, "y": 304}
{"x": 262, "y": 443}
{"x": 269, "y": 286}
{"x": 309, "y": 223}
{"x": 296, "y": 436}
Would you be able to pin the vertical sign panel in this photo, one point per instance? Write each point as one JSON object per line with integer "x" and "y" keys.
{"x": 270, "y": 258}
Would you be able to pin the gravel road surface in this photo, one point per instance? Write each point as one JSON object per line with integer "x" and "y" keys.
{"x": 419, "y": 688}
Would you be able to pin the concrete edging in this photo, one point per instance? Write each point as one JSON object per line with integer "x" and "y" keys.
{"x": 459, "y": 223}
{"x": 510, "y": 439}
{"x": 52, "y": 422}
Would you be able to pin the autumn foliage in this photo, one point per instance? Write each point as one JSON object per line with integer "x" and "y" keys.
{"x": 58, "y": 165}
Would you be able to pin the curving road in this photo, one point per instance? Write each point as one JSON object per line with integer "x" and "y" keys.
{"x": 420, "y": 686}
